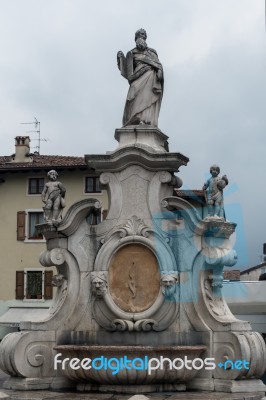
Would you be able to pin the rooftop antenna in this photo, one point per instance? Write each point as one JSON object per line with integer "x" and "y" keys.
{"x": 37, "y": 126}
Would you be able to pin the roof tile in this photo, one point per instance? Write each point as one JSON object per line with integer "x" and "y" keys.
{"x": 42, "y": 161}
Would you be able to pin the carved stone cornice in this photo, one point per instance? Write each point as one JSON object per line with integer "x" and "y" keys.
{"x": 49, "y": 231}
{"x": 76, "y": 214}
{"x": 214, "y": 227}
{"x": 124, "y": 157}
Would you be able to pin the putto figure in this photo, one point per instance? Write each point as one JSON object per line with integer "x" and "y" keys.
{"x": 214, "y": 192}
{"x": 144, "y": 72}
{"x": 53, "y": 197}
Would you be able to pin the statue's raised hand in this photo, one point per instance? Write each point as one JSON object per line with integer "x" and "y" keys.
{"x": 120, "y": 54}
{"x": 121, "y": 62}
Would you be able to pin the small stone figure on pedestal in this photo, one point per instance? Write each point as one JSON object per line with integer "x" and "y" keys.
{"x": 53, "y": 197}
{"x": 213, "y": 189}
{"x": 144, "y": 72}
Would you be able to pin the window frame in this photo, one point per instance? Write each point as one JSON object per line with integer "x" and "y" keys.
{"x": 28, "y": 185}
{"x": 94, "y": 185}
{"x": 101, "y": 214}
{"x": 22, "y": 282}
{"x": 26, "y": 270}
{"x": 95, "y": 217}
{"x": 27, "y": 226}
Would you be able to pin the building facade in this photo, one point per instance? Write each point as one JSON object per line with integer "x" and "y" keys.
{"x": 23, "y": 281}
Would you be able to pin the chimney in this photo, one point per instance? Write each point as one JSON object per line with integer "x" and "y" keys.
{"x": 22, "y": 146}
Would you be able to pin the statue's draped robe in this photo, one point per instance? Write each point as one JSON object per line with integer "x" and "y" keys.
{"x": 145, "y": 93}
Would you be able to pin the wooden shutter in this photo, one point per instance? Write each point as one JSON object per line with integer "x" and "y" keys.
{"x": 105, "y": 212}
{"x": 48, "y": 288}
{"x": 21, "y": 218}
{"x": 19, "y": 285}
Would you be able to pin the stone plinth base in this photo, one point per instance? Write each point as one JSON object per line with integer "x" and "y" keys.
{"x": 29, "y": 384}
{"x": 4, "y": 396}
{"x": 67, "y": 395}
{"x": 247, "y": 386}
{"x": 131, "y": 388}
{"x": 228, "y": 386}
{"x": 142, "y": 136}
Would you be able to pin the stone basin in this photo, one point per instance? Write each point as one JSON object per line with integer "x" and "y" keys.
{"x": 112, "y": 374}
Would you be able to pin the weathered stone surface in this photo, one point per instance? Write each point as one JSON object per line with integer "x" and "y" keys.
{"x": 144, "y": 72}
{"x": 145, "y": 137}
{"x": 213, "y": 189}
{"x": 232, "y": 386}
{"x": 27, "y": 384}
{"x": 4, "y": 396}
{"x": 136, "y": 155}
{"x": 131, "y": 268}
{"x": 53, "y": 198}
{"x": 146, "y": 281}
{"x": 215, "y": 395}
{"x": 48, "y": 395}
{"x": 139, "y": 397}
{"x": 157, "y": 379}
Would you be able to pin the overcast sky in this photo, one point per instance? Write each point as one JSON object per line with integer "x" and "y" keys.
{"x": 58, "y": 64}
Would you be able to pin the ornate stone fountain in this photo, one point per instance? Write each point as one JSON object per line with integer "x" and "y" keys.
{"x": 144, "y": 282}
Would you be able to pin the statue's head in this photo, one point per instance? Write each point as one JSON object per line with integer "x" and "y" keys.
{"x": 99, "y": 283}
{"x": 53, "y": 175}
{"x": 214, "y": 170}
{"x": 141, "y": 33}
{"x": 168, "y": 283}
{"x": 141, "y": 44}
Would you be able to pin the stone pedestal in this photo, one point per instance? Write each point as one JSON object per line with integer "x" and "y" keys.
{"x": 142, "y": 136}
{"x": 149, "y": 277}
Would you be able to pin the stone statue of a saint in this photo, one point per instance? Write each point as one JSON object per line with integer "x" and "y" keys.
{"x": 214, "y": 192}
{"x": 144, "y": 72}
{"x": 53, "y": 196}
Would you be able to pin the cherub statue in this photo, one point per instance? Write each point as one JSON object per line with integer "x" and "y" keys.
{"x": 53, "y": 197}
{"x": 213, "y": 189}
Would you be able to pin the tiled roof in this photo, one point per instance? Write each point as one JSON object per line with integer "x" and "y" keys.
{"x": 189, "y": 193}
{"x": 246, "y": 271}
{"x": 42, "y": 161}
{"x": 232, "y": 275}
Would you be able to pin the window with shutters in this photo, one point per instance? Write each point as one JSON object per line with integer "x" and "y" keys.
{"x": 21, "y": 221}
{"x": 34, "y": 284}
{"x": 104, "y": 214}
{"x": 26, "y": 225}
{"x": 34, "y": 218}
